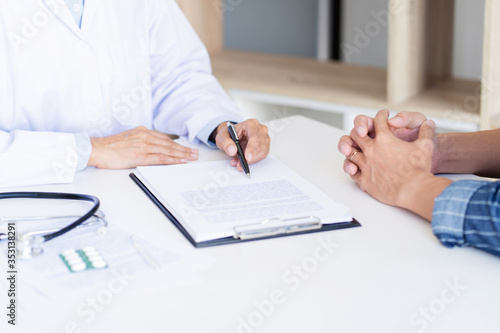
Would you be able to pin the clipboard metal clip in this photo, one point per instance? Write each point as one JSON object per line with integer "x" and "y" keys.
{"x": 276, "y": 226}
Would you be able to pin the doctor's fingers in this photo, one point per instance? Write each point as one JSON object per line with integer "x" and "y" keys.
{"x": 172, "y": 150}
{"x": 155, "y": 142}
{"x": 175, "y": 147}
{"x": 159, "y": 159}
{"x": 144, "y": 134}
{"x": 225, "y": 143}
{"x": 255, "y": 140}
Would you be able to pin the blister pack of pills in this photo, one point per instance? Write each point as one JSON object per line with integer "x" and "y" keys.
{"x": 82, "y": 260}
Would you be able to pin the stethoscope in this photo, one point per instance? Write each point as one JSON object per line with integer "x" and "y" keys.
{"x": 29, "y": 244}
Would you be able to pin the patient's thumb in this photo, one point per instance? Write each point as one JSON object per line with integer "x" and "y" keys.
{"x": 427, "y": 130}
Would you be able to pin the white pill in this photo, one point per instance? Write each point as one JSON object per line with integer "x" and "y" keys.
{"x": 95, "y": 257}
{"x": 89, "y": 249}
{"x": 90, "y": 254}
{"x": 78, "y": 267}
{"x": 99, "y": 263}
{"x": 71, "y": 256}
{"x": 75, "y": 261}
{"x": 68, "y": 252}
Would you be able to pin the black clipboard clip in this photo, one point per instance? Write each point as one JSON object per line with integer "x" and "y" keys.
{"x": 277, "y": 227}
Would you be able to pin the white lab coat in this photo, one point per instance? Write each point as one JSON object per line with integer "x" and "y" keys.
{"x": 134, "y": 62}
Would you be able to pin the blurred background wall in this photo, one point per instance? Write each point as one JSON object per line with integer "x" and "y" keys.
{"x": 291, "y": 27}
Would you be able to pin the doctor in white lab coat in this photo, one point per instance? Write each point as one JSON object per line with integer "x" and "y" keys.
{"x": 98, "y": 82}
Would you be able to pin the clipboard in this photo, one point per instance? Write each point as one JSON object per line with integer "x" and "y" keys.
{"x": 267, "y": 229}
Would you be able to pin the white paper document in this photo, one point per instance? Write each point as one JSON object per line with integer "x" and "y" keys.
{"x": 46, "y": 280}
{"x": 211, "y": 199}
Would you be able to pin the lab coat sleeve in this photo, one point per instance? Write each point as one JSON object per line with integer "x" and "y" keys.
{"x": 33, "y": 158}
{"x": 30, "y": 157}
{"x": 186, "y": 96}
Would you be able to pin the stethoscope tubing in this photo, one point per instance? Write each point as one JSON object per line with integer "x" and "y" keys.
{"x": 60, "y": 196}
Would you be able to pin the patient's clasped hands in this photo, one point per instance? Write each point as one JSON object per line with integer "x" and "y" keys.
{"x": 393, "y": 156}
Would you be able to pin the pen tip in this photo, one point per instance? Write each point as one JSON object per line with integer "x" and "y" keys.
{"x": 248, "y": 175}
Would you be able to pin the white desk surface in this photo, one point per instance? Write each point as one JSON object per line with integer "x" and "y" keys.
{"x": 379, "y": 278}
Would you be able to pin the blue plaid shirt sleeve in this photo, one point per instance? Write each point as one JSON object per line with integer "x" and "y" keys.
{"x": 467, "y": 213}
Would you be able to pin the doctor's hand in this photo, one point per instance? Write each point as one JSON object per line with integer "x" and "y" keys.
{"x": 138, "y": 147}
{"x": 254, "y": 140}
{"x": 405, "y": 126}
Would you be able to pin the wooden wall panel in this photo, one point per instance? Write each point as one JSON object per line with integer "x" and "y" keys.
{"x": 439, "y": 40}
{"x": 420, "y": 46}
{"x": 405, "y": 74}
{"x": 206, "y": 16}
{"x": 490, "y": 93}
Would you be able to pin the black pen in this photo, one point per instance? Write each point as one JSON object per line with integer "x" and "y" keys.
{"x": 241, "y": 155}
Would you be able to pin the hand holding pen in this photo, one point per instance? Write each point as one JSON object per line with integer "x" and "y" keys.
{"x": 241, "y": 155}
{"x": 253, "y": 138}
